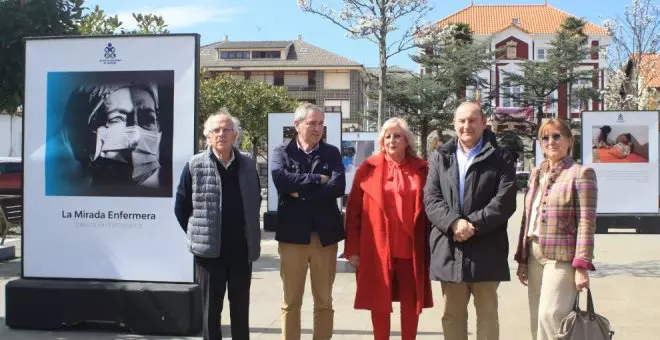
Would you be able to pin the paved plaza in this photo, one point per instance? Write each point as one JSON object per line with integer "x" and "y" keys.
{"x": 626, "y": 289}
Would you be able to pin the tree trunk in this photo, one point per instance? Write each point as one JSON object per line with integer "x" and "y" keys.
{"x": 539, "y": 117}
{"x": 424, "y": 135}
{"x": 255, "y": 147}
{"x": 382, "y": 62}
{"x": 382, "y": 82}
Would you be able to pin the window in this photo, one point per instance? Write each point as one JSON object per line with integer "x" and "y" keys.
{"x": 579, "y": 104}
{"x": 266, "y": 54}
{"x": 507, "y": 93}
{"x": 296, "y": 81}
{"x": 336, "y": 80}
{"x": 474, "y": 93}
{"x": 541, "y": 54}
{"x": 11, "y": 168}
{"x": 264, "y": 77}
{"x": 235, "y": 55}
{"x": 511, "y": 50}
{"x": 550, "y": 105}
{"x": 339, "y": 105}
{"x": 311, "y": 79}
{"x": 278, "y": 78}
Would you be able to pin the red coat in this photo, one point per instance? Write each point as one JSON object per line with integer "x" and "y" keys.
{"x": 367, "y": 236}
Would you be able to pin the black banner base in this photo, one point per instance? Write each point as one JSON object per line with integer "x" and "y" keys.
{"x": 641, "y": 223}
{"x": 142, "y": 308}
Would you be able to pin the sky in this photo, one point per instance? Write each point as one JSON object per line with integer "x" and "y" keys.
{"x": 282, "y": 20}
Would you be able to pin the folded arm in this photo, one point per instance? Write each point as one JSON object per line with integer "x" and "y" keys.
{"x": 287, "y": 182}
{"x": 333, "y": 188}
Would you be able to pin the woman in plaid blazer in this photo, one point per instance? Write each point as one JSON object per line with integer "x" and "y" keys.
{"x": 556, "y": 241}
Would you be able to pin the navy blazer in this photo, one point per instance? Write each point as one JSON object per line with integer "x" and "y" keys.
{"x": 315, "y": 209}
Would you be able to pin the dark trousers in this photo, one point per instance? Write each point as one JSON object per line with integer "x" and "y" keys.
{"x": 215, "y": 276}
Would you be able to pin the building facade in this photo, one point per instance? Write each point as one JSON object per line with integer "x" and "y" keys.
{"x": 309, "y": 72}
{"x": 524, "y": 32}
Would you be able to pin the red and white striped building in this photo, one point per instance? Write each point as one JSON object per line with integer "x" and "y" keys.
{"x": 526, "y": 32}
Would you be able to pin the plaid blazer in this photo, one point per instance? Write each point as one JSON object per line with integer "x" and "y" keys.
{"x": 567, "y": 214}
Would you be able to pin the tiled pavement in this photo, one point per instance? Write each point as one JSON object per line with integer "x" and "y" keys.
{"x": 626, "y": 289}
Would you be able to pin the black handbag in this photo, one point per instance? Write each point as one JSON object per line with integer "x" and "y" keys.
{"x": 584, "y": 325}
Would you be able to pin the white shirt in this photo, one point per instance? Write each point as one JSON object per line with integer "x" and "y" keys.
{"x": 228, "y": 163}
{"x": 464, "y": 160}
{"x": 534, "y": 212}
{"x": 303, "y": 150}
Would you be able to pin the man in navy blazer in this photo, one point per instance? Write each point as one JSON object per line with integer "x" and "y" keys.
{"x": 309, "y": 176}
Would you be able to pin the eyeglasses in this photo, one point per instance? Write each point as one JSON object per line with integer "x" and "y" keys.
{"x": 217, "y": 131}
{"x": 555, "y": 137}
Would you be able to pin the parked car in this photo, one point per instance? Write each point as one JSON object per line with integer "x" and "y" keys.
{"x": 11, "y": 172}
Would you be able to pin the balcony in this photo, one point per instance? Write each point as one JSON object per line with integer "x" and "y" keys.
{"x": 300, "y": 87}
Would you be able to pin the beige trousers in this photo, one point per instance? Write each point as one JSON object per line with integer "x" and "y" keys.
{"x": 455, "y": 317}
{"x": 551, "y": 290}
{"x": 295, "y": 260}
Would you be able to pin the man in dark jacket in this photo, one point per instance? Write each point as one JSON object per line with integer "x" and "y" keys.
{"x": 217, "y": 205}
{"x": 469, "y": 196}
{"x": 309, "y": 176}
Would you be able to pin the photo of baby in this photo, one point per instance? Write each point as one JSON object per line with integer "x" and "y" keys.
{"x": 621, "y": 144}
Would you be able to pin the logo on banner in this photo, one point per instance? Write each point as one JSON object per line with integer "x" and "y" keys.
{"x": 620, "y": 119}
{"x": 110, "y": 55}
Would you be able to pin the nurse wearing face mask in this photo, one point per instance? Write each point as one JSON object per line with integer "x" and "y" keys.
{"x": 111, "y": 135}
{"x": 127, "y": 137}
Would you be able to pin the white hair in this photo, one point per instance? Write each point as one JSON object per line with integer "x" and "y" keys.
{"x": 304, "y": 109}
{"x": 221, "y": 114}
{"x": 411, "y": 150}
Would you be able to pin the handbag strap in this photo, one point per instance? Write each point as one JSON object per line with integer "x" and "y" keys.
{"x": 590, "y": 305}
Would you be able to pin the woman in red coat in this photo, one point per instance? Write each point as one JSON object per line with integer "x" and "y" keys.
{"x": 387, "y": 232}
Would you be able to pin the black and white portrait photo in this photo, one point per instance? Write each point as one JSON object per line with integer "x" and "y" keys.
{"x": 109, "y": 134}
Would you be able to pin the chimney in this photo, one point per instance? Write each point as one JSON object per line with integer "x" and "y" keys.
{"x": 300, "y": 37}
{"x": 226, "y": 37}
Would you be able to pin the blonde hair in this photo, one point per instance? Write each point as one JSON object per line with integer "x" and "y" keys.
{"x": 562, "y": 126}
{"x": 558, "y": 124}
{"x": 411, "y": 150}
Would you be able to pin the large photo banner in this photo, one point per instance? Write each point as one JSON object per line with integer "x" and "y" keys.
{"x": 281, "y": 130}
{"x": 622, "y": 147}
{"x": 109, "y": 124}
{"x": 355, "y": 148}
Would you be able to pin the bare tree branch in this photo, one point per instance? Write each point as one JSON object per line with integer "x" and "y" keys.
{"x": 373, "y": 20}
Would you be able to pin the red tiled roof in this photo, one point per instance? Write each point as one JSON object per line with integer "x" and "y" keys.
{"x": 534, "y": 19}
{"x": 650, "y": 70}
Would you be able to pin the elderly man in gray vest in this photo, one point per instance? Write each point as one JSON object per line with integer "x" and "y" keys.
{"x": 217, "y": 205}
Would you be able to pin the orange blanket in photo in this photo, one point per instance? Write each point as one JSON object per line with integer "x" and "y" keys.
{"x": 605, "y": 157}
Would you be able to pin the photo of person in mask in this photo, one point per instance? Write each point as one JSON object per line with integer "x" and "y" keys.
{"x": 127, "y": 137}
{"x": 114, "y": 133}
